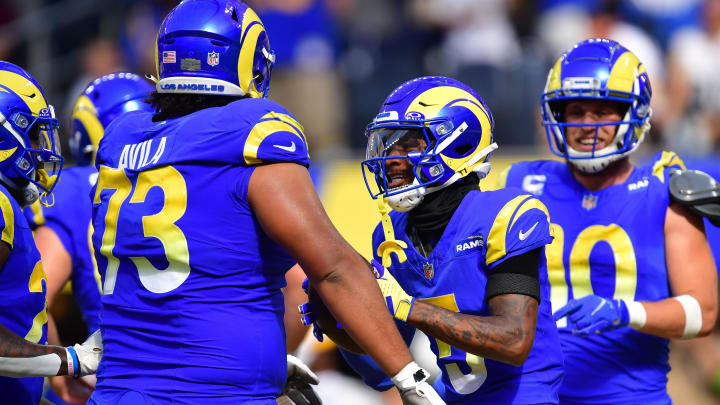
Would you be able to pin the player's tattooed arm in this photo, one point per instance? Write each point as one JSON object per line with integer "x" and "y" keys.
{"x": 506, "y": 335}
{"x": 13, "y": 346}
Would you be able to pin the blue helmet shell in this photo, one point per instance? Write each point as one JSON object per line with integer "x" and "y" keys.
{"x": 457, "y": 126}
{"x": 213, "y": 47}
{"x": 103, "y": 100}
{"x": 29, "y": 146}
{"x": 598, "y": 69}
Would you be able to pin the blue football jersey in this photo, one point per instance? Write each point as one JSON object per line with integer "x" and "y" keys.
{"x": 23, "y": 308}
{"x": 192, "y": 308}
{"x": 486, "y": 229}
{"x": 610, "y": 243}
{"x": 69, "y": 218}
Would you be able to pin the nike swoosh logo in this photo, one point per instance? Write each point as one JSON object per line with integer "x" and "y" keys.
{"x": 524, "y": 235}
{"x": 290, "y": 148}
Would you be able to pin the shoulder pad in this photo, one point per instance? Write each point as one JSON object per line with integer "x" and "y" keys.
{"x": 698, "y": 191}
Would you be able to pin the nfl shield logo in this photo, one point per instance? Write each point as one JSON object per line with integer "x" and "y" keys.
{"x": 213, "y": 58}
{"x": 589, "y": 201}
{"x": 429, "y": 270}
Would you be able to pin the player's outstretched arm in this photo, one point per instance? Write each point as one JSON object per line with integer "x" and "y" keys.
{"x": 284, "y": 199}
{"x": 692, "y": 310}
{"x": 20, "y": 358}
{"x": 285, "y": 202}
{"x": 56, "y": 260}
{"x": 506, "y": 335}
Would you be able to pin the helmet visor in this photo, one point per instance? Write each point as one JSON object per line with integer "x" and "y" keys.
{"x": 399, "y": 141}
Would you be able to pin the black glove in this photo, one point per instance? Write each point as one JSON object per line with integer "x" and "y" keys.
{"x": 300, "y": 392}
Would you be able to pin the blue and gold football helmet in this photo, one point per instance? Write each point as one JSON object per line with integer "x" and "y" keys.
{"x": 597, "y": 69}
{"x": 101, "y": 102}
{"x": 213, "y": 47}
{"x": 30, "y": 159}
{"x": 456, "y": 126}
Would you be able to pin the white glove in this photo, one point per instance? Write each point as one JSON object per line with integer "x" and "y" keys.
{"x": 296, "y": 368}
{"x": 83, "y": 359}
{"x": 414, "y": 390}
{"x": 298, "y": 390}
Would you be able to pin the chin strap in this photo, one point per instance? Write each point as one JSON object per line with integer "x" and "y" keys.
{"x": 47, "y": 200}
{"x": 49, "y": 182}
{"x": 390, "y": 245}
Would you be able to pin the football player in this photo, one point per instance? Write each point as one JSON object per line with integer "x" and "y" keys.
{"x": 62, "y": 231}
{"x": 30, "y": 162}
{"x": 198, "y": 212}
{"x": 465, "y": 266}
{"x": 629, "y": 267}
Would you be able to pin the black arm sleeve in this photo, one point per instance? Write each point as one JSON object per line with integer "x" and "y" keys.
{"x": 517, "y": 275}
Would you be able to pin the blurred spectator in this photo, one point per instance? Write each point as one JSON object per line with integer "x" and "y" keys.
{"x": 476, "y": 33}
{"x": 6, "y": 36}
{"x": 560, "y": 29}
{"x": 99, "y": 57}
{"x": 139, "y": 32}
{"x": 663, "y": 18}
{"x": 306, "y": 79}
{"x": 694, "y": 82}
{"x": 482, "y": 49}
{"x": 562, "y": 23}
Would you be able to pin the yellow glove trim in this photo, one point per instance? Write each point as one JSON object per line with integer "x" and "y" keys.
{"x": 402, "y": 302}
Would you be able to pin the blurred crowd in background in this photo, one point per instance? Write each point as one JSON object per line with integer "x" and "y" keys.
{"x": 338, "y": 59}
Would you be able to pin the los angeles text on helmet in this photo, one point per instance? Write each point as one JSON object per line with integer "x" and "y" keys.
{"x": 213, "y": 88}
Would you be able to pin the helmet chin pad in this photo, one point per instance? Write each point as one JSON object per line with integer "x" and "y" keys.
{"x": 407, "y": 200}
{"x": 30, "y": 194}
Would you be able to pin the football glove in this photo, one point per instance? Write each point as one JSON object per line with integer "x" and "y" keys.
{"x": 593, "y": 314}
{"x": 308, "y": 318}
{"x": 413, "y": 387}
{"x": 398, "y": 301}
{"x": 297, "y": 388}
{"x": 83, "y": 359}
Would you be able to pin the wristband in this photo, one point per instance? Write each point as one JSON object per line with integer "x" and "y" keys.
{"x": 72, "y": 362}
{"x": 637, "y": 316}
{"x": 409, "y": 376}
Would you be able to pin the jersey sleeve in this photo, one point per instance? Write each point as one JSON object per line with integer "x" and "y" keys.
{"x": 523, "y": 224}
{"x": 7, "y": 220}
{"x": 274, "y": 136}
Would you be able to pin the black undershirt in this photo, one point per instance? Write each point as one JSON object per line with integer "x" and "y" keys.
{"x": 427, "y": 222}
